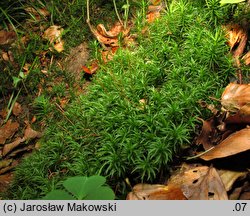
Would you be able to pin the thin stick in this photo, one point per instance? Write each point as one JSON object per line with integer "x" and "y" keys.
{"x": 117, "y": 14}
{"x": 198, "y": 155}
{"x": 88, "y": 19}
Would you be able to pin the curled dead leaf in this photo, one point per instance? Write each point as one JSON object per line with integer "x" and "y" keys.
{"x": 236, "y": 143}
{"x": 235, "y": 96}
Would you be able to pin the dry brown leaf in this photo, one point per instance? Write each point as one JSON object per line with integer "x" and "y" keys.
{"x": 235, "y": 96}
{"x": 235, "y": 33}
{"x": 29, "y": 133}
{"x": 204, "y": 138}
{"x": 7, "y": 37}
{"x": 200, "y": 183}
{"x": 229, "y": 177}
{"x": 5, "y": 181}
{"x": 241, "y": 117}
{"x": 8, "y": 130}
{"x": 155, "y": 2}
{"x": 114, "y": 32}
{"x": 17, "y": 109}
{"x": 91, "y": 69}
{"x": 59, "y": 46}
{"x": 111, "y": 37}
{"x": 155, "y": 192}
{"x": 107, "y": 55}
{"x": 236, "y": 143}
{"x": 246, "y": 58}
{"x": 53, "y": 35}
{"x": 10, "y": 146}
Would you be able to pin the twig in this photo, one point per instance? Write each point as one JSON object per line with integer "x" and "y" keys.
{"x": 198, "y": 155}
{"x": 117, "y": 14}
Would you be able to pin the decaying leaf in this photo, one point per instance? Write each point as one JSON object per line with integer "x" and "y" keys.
{"x": 10, "y": 146}
{"x": 237, "y": 40}
{"x": 91, "y": 69}
{"x": 200, "y": 183}
{"x": 7, "y": 37}
{"x": 29, "y": 133}
{"x": 108, "y": 54}
{"x": 17, "y": 109}
{"x": 155, "y": 192}
{"x": 236, "y": 143}
{"x": 204, "y": 138}
{"x": 5, "y": 163}
{"x": 246, "y": 58}
{"x": 229, "y": 177}
{"x": 240, "y": 117}
{"x": 8, "y": 130}
{"x": 5, "y": 181}
{"x": 53, "y": 35}
{"x": 235, "y": 96}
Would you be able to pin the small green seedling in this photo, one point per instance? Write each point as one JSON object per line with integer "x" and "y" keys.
{"x": 82, "y": 188}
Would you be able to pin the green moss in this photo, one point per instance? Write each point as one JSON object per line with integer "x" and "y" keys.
{"x": 114, "y": 133}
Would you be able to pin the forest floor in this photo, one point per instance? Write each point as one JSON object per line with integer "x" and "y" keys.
{"x": 154, "y": 96}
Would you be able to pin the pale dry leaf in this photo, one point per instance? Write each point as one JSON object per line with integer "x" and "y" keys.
{"x": 236, "y": 143}
{"x": 246, "y": 58}
{"x": 17, "y": 109}
{"x": 8, "y": 130}
{"x": 229, "y": 177}
{"x": 59, "y": 46}
{"x": 53, "y": 34}
{"x": 235, "y": 96}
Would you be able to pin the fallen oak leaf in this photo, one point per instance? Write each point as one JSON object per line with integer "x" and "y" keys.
{"x": 236, "y": 143}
